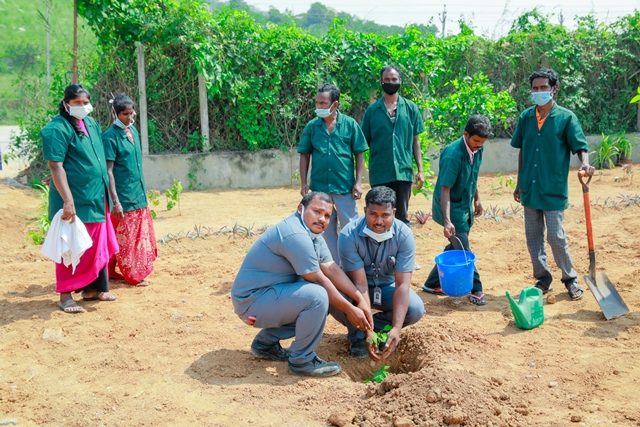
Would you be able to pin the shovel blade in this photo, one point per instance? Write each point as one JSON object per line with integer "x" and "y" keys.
{"x": 607, "y": 296}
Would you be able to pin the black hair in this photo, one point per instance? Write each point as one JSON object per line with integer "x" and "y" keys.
{"x": 380, "y": 196}
{"x": 334, "y": 92}
{"x": 390, "y": 67}
{"x": 315, "y": 195}
{"x": 478, "y": 125}
{"x": 120, "y": 103}
{"x": 545, "y": 73}
{"x": 71, "y": 92}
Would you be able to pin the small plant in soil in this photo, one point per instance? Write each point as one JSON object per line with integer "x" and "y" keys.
{"x": 173, "y": 195}
{"x": 153, "y": 196}
{"x": 41, "y": 222}
{"x": 379, "y": 375}
{"x": 421, "y": 217}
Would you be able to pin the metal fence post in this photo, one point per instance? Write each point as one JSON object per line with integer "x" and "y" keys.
{"x": 204, "y": 113}
{"x": 142, "y": 104}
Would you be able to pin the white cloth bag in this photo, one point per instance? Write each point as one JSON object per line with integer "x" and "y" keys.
{"x": 66, "y": 241}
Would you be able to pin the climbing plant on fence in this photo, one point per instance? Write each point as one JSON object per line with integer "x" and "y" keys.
{"x": 261, "y": 80}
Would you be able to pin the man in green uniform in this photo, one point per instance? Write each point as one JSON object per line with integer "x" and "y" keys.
{"x": 391, "y": 126}
{"x": 332, "y": 141}
{"x": 456, "y": 200}
{"x": 546, "y": 135}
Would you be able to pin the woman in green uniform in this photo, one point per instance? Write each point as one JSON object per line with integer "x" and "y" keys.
{"x": 131, "y": 217}
{"x": 75, "y": 155}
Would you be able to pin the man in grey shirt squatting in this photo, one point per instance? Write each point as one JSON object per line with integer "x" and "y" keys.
{"x": 378, "y": 254}
{"x": 285, "y": 286}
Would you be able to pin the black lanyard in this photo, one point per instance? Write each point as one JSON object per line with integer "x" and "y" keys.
{"x": 375, "y": 265}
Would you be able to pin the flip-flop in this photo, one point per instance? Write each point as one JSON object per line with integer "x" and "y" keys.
{"x": 477, "y": 299}
{"x": 70, "y": 306}
{"x": 433, "y": 291}
{"x": 100, "y": 296}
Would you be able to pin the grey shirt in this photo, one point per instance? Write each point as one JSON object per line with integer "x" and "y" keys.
{"x": 357, "y": 250}
{"x": 283, "y": 254}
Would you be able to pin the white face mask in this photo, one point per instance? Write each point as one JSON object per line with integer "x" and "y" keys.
{"x": 311, "y": 233}
{"x": 80, "y": 111}
{"x": 378, "y": 237}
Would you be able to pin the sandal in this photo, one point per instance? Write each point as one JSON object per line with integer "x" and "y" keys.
{"x": 575, "y": 291}
{"x": 433, "y": 291}
{"x": 100, "y": 296}
{"x": 477, "y": 298}
{"x": 69, "y": 305}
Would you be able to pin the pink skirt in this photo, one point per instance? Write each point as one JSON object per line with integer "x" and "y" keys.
{"x": 137, "y": 241}
{"x": 92, "y": 261}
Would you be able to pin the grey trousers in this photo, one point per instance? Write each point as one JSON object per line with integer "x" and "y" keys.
{"x": 534, "y": 226}
{"x": 415, "y": 311}
{"x": 291, "y": 310}
{"x": 344, "y": 211}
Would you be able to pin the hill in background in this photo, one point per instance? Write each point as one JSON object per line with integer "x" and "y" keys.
{"x": 23, "y": 46}
{"x": 317, "y": 19}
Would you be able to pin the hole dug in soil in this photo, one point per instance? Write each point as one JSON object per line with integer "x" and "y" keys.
{"x": 407, "y": 358}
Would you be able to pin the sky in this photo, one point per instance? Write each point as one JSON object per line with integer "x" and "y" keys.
{"x": 491, "y": 18}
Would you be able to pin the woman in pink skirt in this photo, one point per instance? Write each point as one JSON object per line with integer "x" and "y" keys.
{"x": 74, "y": 152}
{"x": 130, "y": 215}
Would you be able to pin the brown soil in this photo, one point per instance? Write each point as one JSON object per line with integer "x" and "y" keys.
{"x": 174, "y": 353}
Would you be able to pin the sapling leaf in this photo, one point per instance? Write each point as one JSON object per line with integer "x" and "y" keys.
{"x": 381, "y": 337}
{"x": 379, "y": 375}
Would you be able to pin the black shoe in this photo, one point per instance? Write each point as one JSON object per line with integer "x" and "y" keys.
{"x": 358, "y": 349}
{"x": 544, "y": 286}
{"x": 270, "y": 352}
{"x": 575, "y": 291}
{"x": 315, "y": 368}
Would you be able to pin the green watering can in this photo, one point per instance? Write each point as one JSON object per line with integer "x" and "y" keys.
{"x": 528, "y": 311}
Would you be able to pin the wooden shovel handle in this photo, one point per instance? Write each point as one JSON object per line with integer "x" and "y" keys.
{"x": 587, "y": 207}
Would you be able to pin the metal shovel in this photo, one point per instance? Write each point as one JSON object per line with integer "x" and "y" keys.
{"x": 601, "y": 287}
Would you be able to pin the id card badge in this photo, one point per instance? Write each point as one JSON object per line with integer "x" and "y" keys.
{"x": 377, "y": 296}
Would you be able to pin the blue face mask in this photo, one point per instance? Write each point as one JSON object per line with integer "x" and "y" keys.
{"x": 541, "y": 98}
{"x": 121, "y": 125}
{"x": 324, "y": 112}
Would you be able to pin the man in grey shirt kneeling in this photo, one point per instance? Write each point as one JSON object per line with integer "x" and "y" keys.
{"x": 285, "y": 286}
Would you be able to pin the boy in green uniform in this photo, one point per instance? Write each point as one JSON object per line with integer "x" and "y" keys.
{"x": 547, "y": 134}
{"x": 456, "y": 200}
{"x": 391, "y": 126}
{"x": 332, "y": 143}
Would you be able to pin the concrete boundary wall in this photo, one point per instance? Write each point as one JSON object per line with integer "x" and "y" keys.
{"x": 276, "y": 168}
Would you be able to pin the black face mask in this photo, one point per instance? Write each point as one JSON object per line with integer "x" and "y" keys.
{"x": 390, "y": 88}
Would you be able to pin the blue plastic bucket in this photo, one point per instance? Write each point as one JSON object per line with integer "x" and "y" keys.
{"x": 455, "y": 268}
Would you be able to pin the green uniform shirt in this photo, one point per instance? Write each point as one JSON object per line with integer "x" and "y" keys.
{"x": 332, "y": 154}
{"x": 83, "y": 160}
{"x": 127, "y": 167}
{"x": 461, "y": 176}
{"x": 391, "y": 142}
{"x": 545, "y": 157}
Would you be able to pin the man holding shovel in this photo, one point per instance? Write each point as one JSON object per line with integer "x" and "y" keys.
{"x": 546, "y": 135}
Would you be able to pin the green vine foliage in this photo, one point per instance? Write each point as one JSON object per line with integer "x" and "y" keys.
{"x": 261, "y": 78}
